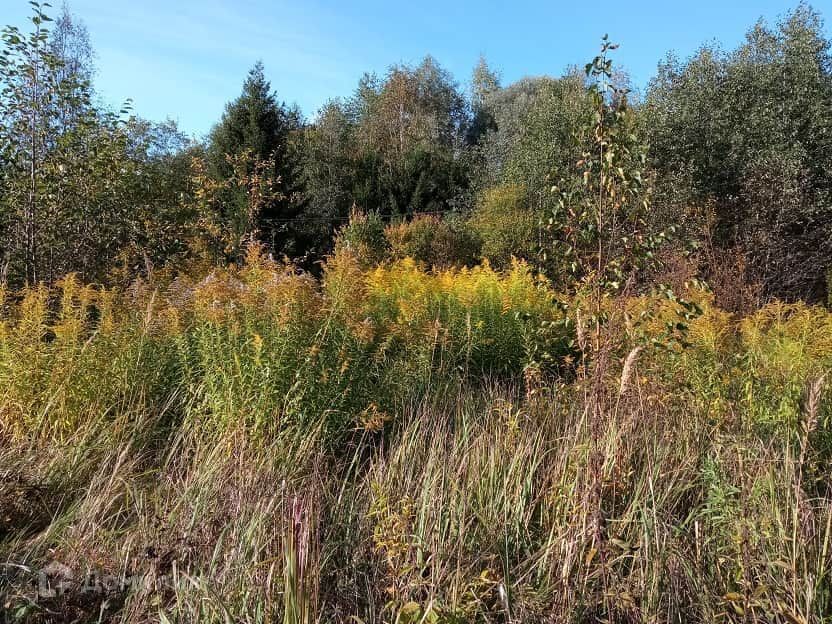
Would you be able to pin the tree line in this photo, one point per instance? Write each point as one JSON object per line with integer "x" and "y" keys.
{"x": 733, "y": 147}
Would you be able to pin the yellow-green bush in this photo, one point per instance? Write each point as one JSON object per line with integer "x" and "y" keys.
{"x": 364, "y": 237}
{"x": 434, "y": 242}
{"x": 264, "y": 345}
{"x": 506, "y": 225}
{"x": 444, "y": 323}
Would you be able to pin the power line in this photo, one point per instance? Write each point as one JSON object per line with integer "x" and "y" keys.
{"x": 346, "y": 219}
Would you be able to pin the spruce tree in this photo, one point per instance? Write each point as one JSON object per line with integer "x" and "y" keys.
{"x": 257, "y": 123}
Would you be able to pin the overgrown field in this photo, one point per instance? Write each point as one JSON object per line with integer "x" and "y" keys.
{"x": 396, "y": 445}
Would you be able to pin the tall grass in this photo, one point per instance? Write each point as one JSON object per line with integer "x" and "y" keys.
{"x": 255, "y": 446}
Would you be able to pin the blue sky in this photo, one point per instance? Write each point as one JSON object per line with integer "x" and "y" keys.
{"x": 184, "y": 59}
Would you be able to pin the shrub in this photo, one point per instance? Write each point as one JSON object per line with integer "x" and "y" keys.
{"x": 507, "y": 226}
{"x": 434, "y": 242}
{"x": 364, "y": 237}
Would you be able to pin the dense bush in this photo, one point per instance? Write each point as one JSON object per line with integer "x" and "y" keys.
{"x": 364, "y": 237}
{"x": 507, "y": 227}
{"x": 433, "y": 241}
{"x": 747, "y": 132}
{"x": 739, "y": 159}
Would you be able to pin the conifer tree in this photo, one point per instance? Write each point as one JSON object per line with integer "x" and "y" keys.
{"x": 257, "y": 124}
